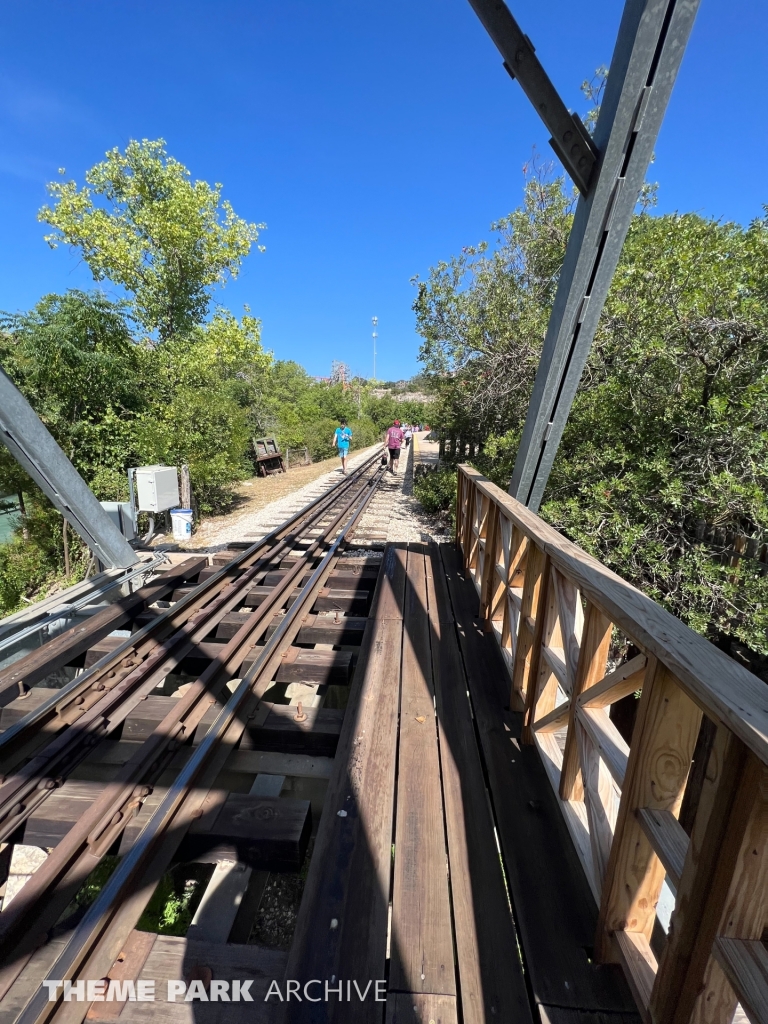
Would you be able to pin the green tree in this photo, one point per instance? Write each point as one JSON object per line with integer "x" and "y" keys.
{"x": 73, "y": 358}
{"x": 142, "y": 223}
{"x": 669, "y": 429}
{"x": 483, "y": 314}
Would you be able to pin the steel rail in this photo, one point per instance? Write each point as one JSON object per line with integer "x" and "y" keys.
{"x": 107, "y": 813}
{"x": 25, "y": 791}
{"x": 68, "y": 609}
{"x": 15, "y": 736}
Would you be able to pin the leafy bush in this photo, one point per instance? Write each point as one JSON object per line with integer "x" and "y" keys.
{"x": 436, "y": 491}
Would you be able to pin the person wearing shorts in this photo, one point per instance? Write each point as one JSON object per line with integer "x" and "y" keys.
{"x": 394, "y": 444}
{"x": 341, "y": 438}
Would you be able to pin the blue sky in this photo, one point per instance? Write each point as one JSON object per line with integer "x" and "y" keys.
{"x": 373, "y": 139}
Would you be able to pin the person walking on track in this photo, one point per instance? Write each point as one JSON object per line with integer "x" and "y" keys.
{"x": 408, "y": 435}
{"x": 341, "y": 438}
{"x": 394, "y": 444}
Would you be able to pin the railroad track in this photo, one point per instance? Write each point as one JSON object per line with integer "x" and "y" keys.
{"x": 236, "y": 630}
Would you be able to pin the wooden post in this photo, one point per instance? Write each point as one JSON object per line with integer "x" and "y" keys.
{"x": 186, "y": 488}
{"x": 721, "y": 891}
{"x": 530, "y": 634}
{"x": 489, "y": 579}
{"x": 593, "y": 656}
{"x": 657, "y": 769}
{"x": 461, "y": 485}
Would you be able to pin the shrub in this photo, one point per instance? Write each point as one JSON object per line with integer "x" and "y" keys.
{"x": 436, "y": 491}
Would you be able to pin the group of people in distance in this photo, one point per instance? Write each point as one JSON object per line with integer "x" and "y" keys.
{"x": 397, "y": 435}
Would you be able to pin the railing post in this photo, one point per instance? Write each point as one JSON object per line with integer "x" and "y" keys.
{"x": 660, "y": 755}
{"x": 460, "y": 485}
{"x": 722, "y": 888}
{"x": 488, "y": 579}
{"x": 533, "y": 614}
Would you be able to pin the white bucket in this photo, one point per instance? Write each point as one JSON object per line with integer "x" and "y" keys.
{"x": 181, "y": 520}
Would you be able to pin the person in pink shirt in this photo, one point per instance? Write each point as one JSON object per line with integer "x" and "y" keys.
{"x": 394, "y": 443}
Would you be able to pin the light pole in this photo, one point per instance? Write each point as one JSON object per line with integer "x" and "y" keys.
{"x": 374, "y": 321}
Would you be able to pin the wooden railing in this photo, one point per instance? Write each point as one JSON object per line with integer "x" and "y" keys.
{"x": 558, "y": 614}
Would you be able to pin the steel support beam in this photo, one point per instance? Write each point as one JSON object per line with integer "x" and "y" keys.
{"x": 650, "y": 46}
{"x": 570, "y": 139}
{"x": 30, "y": 443}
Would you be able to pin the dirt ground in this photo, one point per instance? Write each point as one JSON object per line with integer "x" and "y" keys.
{"x": 258, "y": 492}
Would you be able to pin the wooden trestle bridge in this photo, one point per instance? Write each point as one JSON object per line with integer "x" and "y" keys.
{"x": 491, "y": 842}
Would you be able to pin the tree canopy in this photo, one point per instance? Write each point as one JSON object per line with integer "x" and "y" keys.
{"x": 669, "y": 429}
{"x": 141, "y": 222}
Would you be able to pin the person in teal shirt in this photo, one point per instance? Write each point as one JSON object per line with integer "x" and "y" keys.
{"x": 341, "y": 438}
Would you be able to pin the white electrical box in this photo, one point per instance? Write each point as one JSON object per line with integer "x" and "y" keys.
{"x": 157, "y": 488}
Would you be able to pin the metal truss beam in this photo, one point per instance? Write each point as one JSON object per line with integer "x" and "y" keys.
{"x": 649, "y": 49}
{"x": 30, "y": 443}
{"x": 570, "y": 139}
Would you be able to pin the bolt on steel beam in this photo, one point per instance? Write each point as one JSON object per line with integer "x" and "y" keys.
{"x": 652, "y": 38}
{"x": 30, "y": 443}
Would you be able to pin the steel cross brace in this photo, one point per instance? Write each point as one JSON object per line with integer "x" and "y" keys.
{"x": 570, "y": 139}
{"x": 30, "y": 443}
{"x": 649, "y": 49}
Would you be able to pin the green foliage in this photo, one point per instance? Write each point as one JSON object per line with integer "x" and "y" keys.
{"x": 176, "y": 898}
{"x": 669, "y": 428}
{"x": 437, "y": 491}
{"x": 483, "y": 314}
{"x": 166, "y": 239}
{"x": 73, "y": 358}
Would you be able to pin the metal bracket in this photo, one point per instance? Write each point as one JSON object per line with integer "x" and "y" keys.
{"x": 570, "y": 139}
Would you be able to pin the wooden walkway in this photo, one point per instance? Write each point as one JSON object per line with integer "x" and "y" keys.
{"x": 442, "y": 863}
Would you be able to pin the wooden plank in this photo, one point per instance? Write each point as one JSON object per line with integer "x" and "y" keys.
{"x": 596, "y": 642}
{"x": 555, "y": 720}
{"x": 744, "y": 880}
{"x": 75, "y": 641}
{"x": 552, "y": 903}
{"x": 564, "y": 1015}
{"x": 489, "y": 969}
{"x": 258, "y": 831}
{"x": 525, "y": 647}
{"x": 410, "y": 1008}
{"x": 662, "y": 746}
{"x": 640, "y": 967}
{"x": 352, "y": 602}
{"x": 341, "y": 930}
{"x": 601, "y": 801}
{"x": 276, "y": 730}
{"x": 745, "y": 964}
{"x": 175, "y": 958}
{"x": 668, "y": 839}
{"x": 610, "y": 743}
{"x": 729, "y": 693}
{"x": 299, "y": 664}
{"x": 421, "y": 945}
{"x": 571, "y": 618}
{"x": 555, "y": 658}
{"x": 626, "y": 679}
{"x": 531, "y": 632}
{"x": 717, "y": 831}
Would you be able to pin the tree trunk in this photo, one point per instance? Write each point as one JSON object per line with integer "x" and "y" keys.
{"x": 65, "y": 535}
{"x": 186, "y": 488}
{"x": 23, "y": 511}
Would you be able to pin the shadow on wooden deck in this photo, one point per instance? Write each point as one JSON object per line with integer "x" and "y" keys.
{"x": 407, "y": 882}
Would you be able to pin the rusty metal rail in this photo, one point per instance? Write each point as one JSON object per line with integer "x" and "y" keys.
{"x": 100, "y": 700}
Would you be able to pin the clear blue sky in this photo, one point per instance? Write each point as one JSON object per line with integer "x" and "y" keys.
{"x": 372, "y": 138}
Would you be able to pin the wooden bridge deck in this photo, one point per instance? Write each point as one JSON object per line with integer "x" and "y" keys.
{"x": 442, "y": 862}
